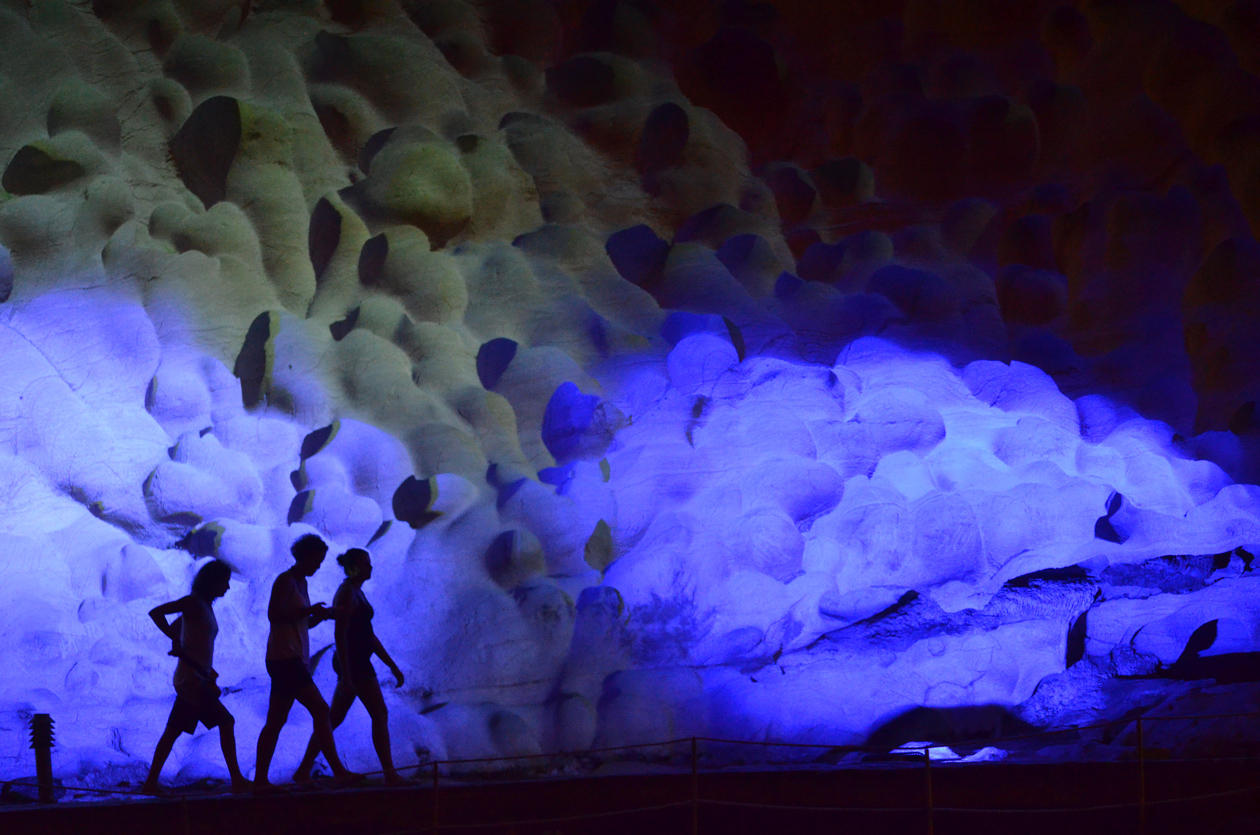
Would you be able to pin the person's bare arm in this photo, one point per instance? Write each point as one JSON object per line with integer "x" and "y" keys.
{"x": 287, "y": 606}
{"x": 159, "y": 615}
{"x": 384, "y": 656}
{"x": 318, "y": 613}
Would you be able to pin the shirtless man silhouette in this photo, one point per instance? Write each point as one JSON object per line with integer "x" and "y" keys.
{"x": 288, "y": 661}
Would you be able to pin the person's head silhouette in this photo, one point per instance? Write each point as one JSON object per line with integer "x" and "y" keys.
{"x": 212, "y": 580}
{"x": 308, "y": 551}
{"x": 357, "y": 564}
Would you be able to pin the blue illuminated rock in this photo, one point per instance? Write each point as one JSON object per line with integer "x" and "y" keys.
{"x": 638, "y": 254}
{"x": 513, "y": 557}
{"x": 492, "y": 360}
{"x": 577, "y": 425}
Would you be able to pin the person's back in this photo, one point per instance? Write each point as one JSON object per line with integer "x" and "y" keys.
{"x": 289, "y": 636}
{"x": 352, "y": 605}
{"x": 198, "y": 628}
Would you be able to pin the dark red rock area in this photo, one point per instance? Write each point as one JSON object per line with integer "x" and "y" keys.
{"x": 1099, "y": 162}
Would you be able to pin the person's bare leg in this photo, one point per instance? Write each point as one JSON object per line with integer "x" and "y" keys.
{"x": 163, "y": 750}
{"x": 375, "y": 704}
{"x": 343, "y": 698}
{"x": 227, "y": 741}
{"x": 311, "y": 699}
{"x": 277, "y": 712}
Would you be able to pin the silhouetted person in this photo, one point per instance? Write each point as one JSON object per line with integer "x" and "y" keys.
{"x": 356, "y": 644}
{"x": 288, "y": 660}
{"x": 192, "y": 637}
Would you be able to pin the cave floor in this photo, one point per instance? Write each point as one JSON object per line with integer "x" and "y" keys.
{"x": 1182, "y": 796}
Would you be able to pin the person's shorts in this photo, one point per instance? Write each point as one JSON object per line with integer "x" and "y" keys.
{"x": 361, "y": 675}
{"x": 288, "y": 676}
{"x": 206, "y": 709}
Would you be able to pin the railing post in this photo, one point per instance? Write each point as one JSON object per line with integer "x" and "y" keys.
{"x": 435, "y": 796}
{"x": 927, "y": 774}
{"x": 695, "y": 789}
{"x": 1141, "y": 755}
{"x": 42, "y": 743}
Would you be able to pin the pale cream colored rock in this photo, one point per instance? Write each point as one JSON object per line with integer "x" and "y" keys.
{"x": 347, "y": 117}
{"x": 442, "y": 360}
{"x": 211, "y": 15}
{"x": 504, "y": 197}
{"x": 46, "y": 165}
{"x": 86, "y": 48}
{"x": 381, "y": 315}
{"x": 171, "y": 102}
{"x": 500, "y": 281}
{"x": 223, "y": 229}
{"x": 207, "y": 67}
{"x": 108, "y": 203}
{"x": 560, "y": 162}
{"x": 582, "y": 260}
{"x": 262, "y": 182}
{"x": 50, "y": 241}
{"x": 494, "y": 422}
{"x": 194, "y": 286}
{"x": 423, "y": 184}
{"x": 34, "y": 229}
{"x": 439, "y": 447}
{"x": 405, "y": 77}
{"x": 429, "y": 284}
{"x": 79, "y": 106}
{"x": 318, "y": 167}
{"x": 33, "y": 73}
{"x": 375, "y": 377}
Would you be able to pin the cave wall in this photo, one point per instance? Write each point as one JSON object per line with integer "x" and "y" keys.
{"x": 754, "y": 370}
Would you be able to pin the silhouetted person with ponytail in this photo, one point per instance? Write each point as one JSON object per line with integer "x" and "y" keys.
{"x": 192, "y": 637}
{"x": 356, "y": 644}
{"x": 288, "y": 661}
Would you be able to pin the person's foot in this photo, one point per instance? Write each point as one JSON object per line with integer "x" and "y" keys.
{"x": 154, "y": 788}
{"x": 240, "y": 785}
{"x": 348, "y": 778}
{"x": 301, "y": 776}
{"x": 264, "y": 787}
{"x": 393, "y": 778}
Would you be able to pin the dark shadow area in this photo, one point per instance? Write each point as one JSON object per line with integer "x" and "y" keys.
{"x": 976, "y": 724}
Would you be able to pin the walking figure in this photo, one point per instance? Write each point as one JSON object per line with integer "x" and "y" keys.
{"x": 352, "y": 659}
{"x": 288, "y": 661}
{"x": 192, "y": 637}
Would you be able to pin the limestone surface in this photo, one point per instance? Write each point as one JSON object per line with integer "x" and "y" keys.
{"x": 783, "y": 371}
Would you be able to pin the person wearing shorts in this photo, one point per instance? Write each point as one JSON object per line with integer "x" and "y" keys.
{"x": 192, "y": 637}
{"x": 288, "y": 661}
{"x": 352, "y": 660}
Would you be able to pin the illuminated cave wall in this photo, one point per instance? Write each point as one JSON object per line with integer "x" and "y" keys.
{"x": 765, "y": 371}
